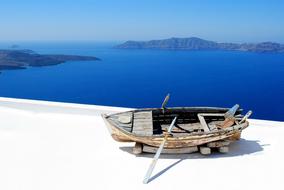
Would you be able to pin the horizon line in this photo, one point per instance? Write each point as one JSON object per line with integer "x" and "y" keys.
{"x": 124, "y": 40}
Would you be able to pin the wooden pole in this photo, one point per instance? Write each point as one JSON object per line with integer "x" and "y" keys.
{"x": 157, "y": 155}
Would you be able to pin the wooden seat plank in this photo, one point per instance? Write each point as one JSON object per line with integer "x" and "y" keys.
{"x": 143, "y": 123}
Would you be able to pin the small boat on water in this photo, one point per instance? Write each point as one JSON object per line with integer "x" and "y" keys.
{"x": 192, "y": 127}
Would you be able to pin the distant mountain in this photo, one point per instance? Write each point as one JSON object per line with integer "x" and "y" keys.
{"x": 194, "y": 43}
{"x": 21, "y": 59}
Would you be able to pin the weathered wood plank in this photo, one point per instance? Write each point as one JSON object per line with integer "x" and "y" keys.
{"x": 203, "y": 123}
{"x": 143, "y": 123}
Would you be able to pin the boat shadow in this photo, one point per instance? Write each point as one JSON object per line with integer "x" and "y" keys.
{"x": 238, "y": 148}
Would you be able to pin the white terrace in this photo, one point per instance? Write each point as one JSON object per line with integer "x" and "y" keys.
{"x": 57, "y": 146}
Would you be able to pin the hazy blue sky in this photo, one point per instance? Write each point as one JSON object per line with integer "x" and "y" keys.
{"x": 219, "y": 20}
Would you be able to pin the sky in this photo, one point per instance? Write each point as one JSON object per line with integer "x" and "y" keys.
{"x": 120, "y": 20}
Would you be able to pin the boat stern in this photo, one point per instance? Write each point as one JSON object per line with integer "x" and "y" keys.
{"x": 115, "y": 131}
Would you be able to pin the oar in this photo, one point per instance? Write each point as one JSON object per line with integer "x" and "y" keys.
{"x": 157, "y": 155}
{"x": 246, "y": 116}
{"x": 165, "y": 101}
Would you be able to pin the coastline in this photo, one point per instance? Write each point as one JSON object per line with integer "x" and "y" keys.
{"x": 22, "y": 59}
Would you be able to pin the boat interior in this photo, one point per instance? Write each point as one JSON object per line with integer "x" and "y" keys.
{"x": 149, "y": 122}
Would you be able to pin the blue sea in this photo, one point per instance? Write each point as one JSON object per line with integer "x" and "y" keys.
{"x": 142, "y": 78}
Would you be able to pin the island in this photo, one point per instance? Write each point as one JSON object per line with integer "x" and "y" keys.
{"x": 194, "y": 43}
{"x": 21, "y": 59}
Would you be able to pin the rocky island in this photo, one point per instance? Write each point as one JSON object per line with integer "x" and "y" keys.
{"x": 194, "y": 43}
{"x": 21, "y": 59}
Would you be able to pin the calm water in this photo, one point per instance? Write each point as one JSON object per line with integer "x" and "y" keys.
{"x": 141, "y": 78}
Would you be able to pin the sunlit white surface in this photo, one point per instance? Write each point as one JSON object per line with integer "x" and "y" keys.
{"x": 48, "y": 145}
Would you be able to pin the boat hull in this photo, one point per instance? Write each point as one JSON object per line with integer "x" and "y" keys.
{"x": 175, "y": 142}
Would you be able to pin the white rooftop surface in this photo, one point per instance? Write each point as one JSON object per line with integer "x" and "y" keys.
{"x": 57, "y": 146}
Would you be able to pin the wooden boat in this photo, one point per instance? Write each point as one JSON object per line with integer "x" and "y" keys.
{"x": 194, "y": 126}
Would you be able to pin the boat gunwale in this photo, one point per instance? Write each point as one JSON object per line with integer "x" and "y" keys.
{"x": 176, "y": 108}
{"x": 233, "y": 129}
